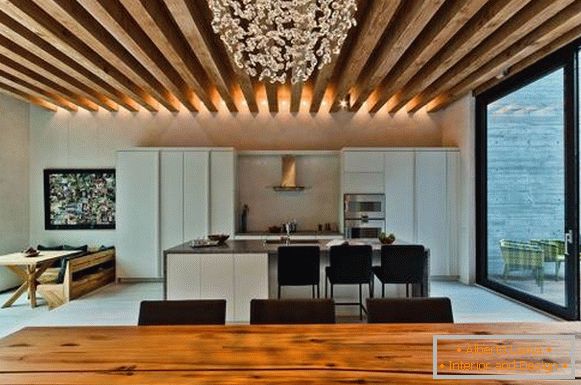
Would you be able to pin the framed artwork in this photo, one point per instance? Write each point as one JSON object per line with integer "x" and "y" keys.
{"x": 77, "y": 199}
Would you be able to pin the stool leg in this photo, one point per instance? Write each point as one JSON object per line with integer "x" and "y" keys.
{"x": 407, "y": 290}
{"x": 318, "y": 293}
{"x": 326, "y": 284}
{"x": 382, "y": 290}
{"x": 313, "y": 291}
{"x": 331, "y": 290}
{"x": 278, "y": 291}
{"x": 360, "y": 304}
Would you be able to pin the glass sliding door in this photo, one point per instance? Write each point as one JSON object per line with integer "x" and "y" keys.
{"x": 527, "y": 193}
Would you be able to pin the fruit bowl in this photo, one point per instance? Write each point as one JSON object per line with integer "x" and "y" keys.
{"x": 220, "y": 238}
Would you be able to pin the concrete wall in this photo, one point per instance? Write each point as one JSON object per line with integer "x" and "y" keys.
{"x": 85, "y": 139}
{"x": 458, "y": 130}
{"x": 14, "y": 117}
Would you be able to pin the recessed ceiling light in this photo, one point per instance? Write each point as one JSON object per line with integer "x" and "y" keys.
{"x": 343, "y": 104}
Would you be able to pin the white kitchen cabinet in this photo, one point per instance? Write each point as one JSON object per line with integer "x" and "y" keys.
{"x": 217, "y": 279}
{"x": 237, "y": 278}
{"x": 196, "y": 198}
{"x": 137, "y": 213}
{"x": 363, "y": 161}
{"x": 250, "y": 281}
{"x": 399, "y": 194}
{"x": 363, "y": 183}
{"x": 222, "y": 192}
{"x": 183, "y": 276}
{"x": 432, "y": 225}
{"x": 171, "y": 198}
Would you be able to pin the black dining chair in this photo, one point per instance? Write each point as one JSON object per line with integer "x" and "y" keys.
{"x": 299, "y": 266}
{"x": 409, "y": 310}
{"x": 350, "y": 265}
{"x": 401, "y": 264}
{"x": 292, "y": 311}
{"x": 191, "y": 312}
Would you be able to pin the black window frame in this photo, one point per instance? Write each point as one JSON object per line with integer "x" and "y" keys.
{"x": 567, "y": 59}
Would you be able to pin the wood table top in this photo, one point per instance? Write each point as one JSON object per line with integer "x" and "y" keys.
{"x": 19, "y": 259}
{"x": 232, "y": 354}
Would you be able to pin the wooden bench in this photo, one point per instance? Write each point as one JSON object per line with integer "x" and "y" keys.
{"x": 83, "y": 274}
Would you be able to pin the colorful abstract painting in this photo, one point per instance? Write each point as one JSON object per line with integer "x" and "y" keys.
{"x": 79, "y": 199}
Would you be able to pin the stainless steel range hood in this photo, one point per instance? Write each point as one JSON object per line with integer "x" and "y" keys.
{"x": 289, "y": 175}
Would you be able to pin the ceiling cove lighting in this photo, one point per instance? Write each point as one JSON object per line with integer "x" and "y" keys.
{"x": 275, "y": 39}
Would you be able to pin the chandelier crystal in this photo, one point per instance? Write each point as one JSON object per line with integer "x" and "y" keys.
{"x": 274, "y": 38}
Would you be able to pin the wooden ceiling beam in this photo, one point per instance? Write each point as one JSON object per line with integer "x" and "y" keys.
{"x": 376, "y": 21}
{"x": 35, "y": 91}
{"x": 20, "y": 71}
{"x": 42, "y": 24}
{"x": 83, "y": 79}
{"x": 322, "y": 84}
{"x": 559, "y": 25}
{"x": 185, "y": 14}
{"x": 15, "y": 93}
{"x": 409, "y": 21}
{"x": 153, "y": 17}
{"x": 27, "y": 59}
{"x": 114, "y": 18}
{"x": 445, "y": 24}
{"x": 271, "y": 96}
{"x": 296, "y": 95}
{"x": 484, "y": 23}
{"x": 514, "y": 69}
{"x": 79, "y": 22}
{"x": 523, "y": 23}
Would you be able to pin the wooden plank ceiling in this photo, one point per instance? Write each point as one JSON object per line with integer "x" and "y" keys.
{"x": 163, "y": 54}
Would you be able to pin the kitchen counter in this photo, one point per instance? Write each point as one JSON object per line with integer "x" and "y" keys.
{"x": 252, "y": 246}
{"x": 241, "y": 270}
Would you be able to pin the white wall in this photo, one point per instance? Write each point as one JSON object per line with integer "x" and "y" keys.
{"x": 84, "y": 139}
{"x": 317, "y": 204}
{"x": 458, "y": 130}
{"x": 14, "y": 116}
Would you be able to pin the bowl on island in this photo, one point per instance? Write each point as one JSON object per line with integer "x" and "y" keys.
{"x": 220, "y": 238}
{"x": 386, "y": 239}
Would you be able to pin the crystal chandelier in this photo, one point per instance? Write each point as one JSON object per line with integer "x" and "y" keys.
{"x": 272, "y": 38}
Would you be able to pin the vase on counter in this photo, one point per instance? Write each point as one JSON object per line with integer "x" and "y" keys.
{"x": 244, "y": 219}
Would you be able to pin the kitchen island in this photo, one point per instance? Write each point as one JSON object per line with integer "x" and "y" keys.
{"x": 241, "y": 270}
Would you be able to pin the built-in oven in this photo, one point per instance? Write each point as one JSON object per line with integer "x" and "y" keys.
{"x": 359, "y": 206}
{"x": 364, "y": 228}
{"x": 364, "y": 215}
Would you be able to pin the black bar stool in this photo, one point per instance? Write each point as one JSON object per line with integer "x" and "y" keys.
{"x": 350, "y": 265}
{"x": 299, "y": 266}
{"x": 401, "y": 264}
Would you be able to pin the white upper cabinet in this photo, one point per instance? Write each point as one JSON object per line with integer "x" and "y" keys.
{"x": 137, "y": 212}
{"x": 222, "y": 192}
{"x": 363, "y": 183}
{"x": 196, "y": 181}
{"x": 363, "y": 161}
{"x": 399, "y": 194}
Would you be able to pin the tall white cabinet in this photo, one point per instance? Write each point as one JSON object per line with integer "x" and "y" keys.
{"x": 420, "y": 196}
{"x": 166, "y": 197}
{"x": 137, "y": 214}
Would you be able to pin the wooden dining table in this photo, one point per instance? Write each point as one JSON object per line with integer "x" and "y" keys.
{"x": 29, "y": 269}
{"x": 248, "y": 354}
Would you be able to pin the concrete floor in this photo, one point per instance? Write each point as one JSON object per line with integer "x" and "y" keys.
{"x": 118, "y": 304}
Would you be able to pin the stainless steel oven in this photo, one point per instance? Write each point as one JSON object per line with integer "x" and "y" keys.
{"x": 359, "y": 206}
{"x": 364, "y": 215}
{"x": 364, "y": 228}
